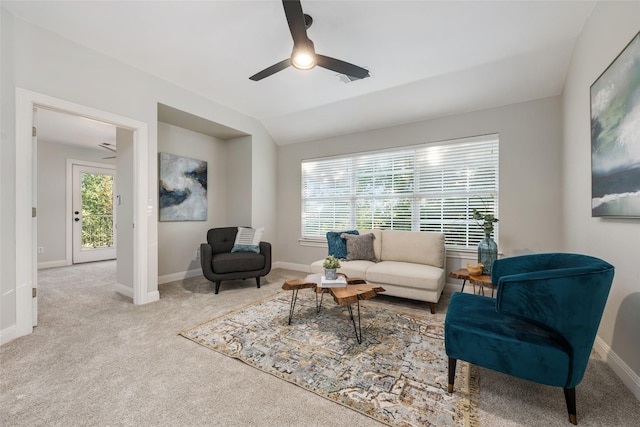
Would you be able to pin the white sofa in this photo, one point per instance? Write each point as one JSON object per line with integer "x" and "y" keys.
{"x": 411, "y": 264}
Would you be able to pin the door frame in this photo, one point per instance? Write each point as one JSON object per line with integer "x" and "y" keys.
{"x": 69, "y": 202}
{"x": 144, "y": 258}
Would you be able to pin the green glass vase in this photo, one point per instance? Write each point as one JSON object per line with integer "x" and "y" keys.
{"x": 487, "y": 253}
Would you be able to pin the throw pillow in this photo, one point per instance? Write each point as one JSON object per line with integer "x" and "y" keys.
{"x": 247, "y": 240}
{"x": 360, "y": 247}
{"x": 336, "y": 244}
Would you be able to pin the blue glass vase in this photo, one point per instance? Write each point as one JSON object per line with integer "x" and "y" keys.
{"x": 487, "y": 253}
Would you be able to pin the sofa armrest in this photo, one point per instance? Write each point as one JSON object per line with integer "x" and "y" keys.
{"x": 206, "y": 255}
{"x": 265, "y": 249}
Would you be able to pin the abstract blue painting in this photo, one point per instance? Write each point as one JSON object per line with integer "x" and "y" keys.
{"x": 183, "y": 188}
{"x": 615, "y": 136}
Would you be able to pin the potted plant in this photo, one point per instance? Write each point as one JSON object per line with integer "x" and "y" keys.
{"x": 331, "y": 264}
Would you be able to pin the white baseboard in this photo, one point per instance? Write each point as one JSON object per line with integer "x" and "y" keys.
{"x": 152, "y": 297}
{"x": 622, "y": 370}
{"x": 128, "y": 292}
{"x": 305, "y": 268}
{"x": 8, "y": 334}
{"x": 179, "y": 276}
{"x": 52, "y": 264}
{"x": 124, "y": 290}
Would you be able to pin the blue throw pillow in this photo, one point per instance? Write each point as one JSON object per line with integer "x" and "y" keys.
{"x": 337, "y": 245}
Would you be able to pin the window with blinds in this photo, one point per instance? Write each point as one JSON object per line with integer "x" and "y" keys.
{"x": 430, "y": 187}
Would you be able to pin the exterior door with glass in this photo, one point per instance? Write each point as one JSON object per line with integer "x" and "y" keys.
{"x": 93, "y": 216}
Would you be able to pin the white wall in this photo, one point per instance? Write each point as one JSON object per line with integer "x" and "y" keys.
{"x": 239, "y": 174}
{"x": 7, "y": 179}
{"x": 609, "y": 29}
{"x": 530, "y": 190}
{"x": 264, "y": 178}
{"x": 52, "y": 208}
{"x": 178, "y": 241}
{"x": 40, "y": 61}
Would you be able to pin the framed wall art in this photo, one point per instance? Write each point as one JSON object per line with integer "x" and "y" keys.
{"x": 183, "y": 188}
{"x": 615, "y": 136}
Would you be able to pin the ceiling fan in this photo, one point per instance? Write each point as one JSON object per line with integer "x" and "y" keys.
{"x": 108, "y": 146}
{"x": 304, "y": 56}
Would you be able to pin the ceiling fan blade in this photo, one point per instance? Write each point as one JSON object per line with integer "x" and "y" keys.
{"x": 341, "y": 67}
{"x": 295, "y": 18}
{"x": 271, "y": 70}
{"x": 107, "y": 146}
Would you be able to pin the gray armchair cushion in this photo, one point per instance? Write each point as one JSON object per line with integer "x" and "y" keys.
{"x": 230, "y": 262}
{"x": 221, "y": 239}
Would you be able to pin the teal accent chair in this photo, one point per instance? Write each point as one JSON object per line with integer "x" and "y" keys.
{"x": 542, "y": 324}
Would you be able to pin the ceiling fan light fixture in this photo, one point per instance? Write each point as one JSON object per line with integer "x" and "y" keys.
{"x": 304, "y": 57}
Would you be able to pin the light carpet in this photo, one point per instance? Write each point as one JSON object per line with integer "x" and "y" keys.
{"x": 397, "y": 375}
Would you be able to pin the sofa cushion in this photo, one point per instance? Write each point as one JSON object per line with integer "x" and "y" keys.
{"x": 232, "y": 262}
{"x": 407, "y": 274}
{"x": 337, "y": 245}
{"x": 413, "y": 247}
{"x": 360, "y": 247}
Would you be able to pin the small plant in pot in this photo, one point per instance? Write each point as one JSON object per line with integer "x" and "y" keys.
{"x": 331, "y": 264}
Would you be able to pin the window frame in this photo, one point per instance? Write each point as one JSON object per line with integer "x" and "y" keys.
{"x": 485, "y": 197}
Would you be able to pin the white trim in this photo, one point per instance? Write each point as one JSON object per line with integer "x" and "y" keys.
{"x": 305, "y": 268}
{"x": 457, "y": 253}
{"x": 52, "y": 264}
{"x": 173, "y": 277}
{"x": 316, "y": 243}
{"x": 622, "y": 370}
{"x": 24, "y": 232}
{"x": 145, "y": 259}
{"x": 69, "y": 202}
{"x": 8, "y": 334}
{"x": 123, "y": 290}
{"x": 152, "y": 296}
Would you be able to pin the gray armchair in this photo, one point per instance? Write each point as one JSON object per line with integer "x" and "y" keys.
{"x": 219, "y": 263}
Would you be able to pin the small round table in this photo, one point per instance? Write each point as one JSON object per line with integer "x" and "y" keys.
{"x": 481, "y": 280}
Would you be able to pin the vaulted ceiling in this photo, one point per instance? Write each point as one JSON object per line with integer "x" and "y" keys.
{"x": 427, "y": 59}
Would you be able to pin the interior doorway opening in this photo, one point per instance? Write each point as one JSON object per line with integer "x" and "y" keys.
{"x": 143, "y": 281}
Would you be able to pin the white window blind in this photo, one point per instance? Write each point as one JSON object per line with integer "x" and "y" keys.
{"x": 430, "y": 187}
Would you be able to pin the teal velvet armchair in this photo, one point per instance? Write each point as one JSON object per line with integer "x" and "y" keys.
{"x": 541, "y": 326}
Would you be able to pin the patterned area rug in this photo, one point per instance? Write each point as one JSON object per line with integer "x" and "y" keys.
{"x": 398, "y": 375}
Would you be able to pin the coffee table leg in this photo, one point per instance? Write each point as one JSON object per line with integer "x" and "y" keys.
{"x": 294, "y": 297}
{"x": 358, "y": 330}
{"x": 319, "y": 304}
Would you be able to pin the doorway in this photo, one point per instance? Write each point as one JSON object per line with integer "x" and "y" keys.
{"x": 94, "y": 217}
{"x": 143, "y": 287}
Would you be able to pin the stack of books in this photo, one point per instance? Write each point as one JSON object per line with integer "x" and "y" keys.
{"x": 339, "y": 282}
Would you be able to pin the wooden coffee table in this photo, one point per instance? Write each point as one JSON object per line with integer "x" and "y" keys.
{"x": 357, "y": 289}
{"x": 349, "y": 295}
{"x": 295, "y": 285}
